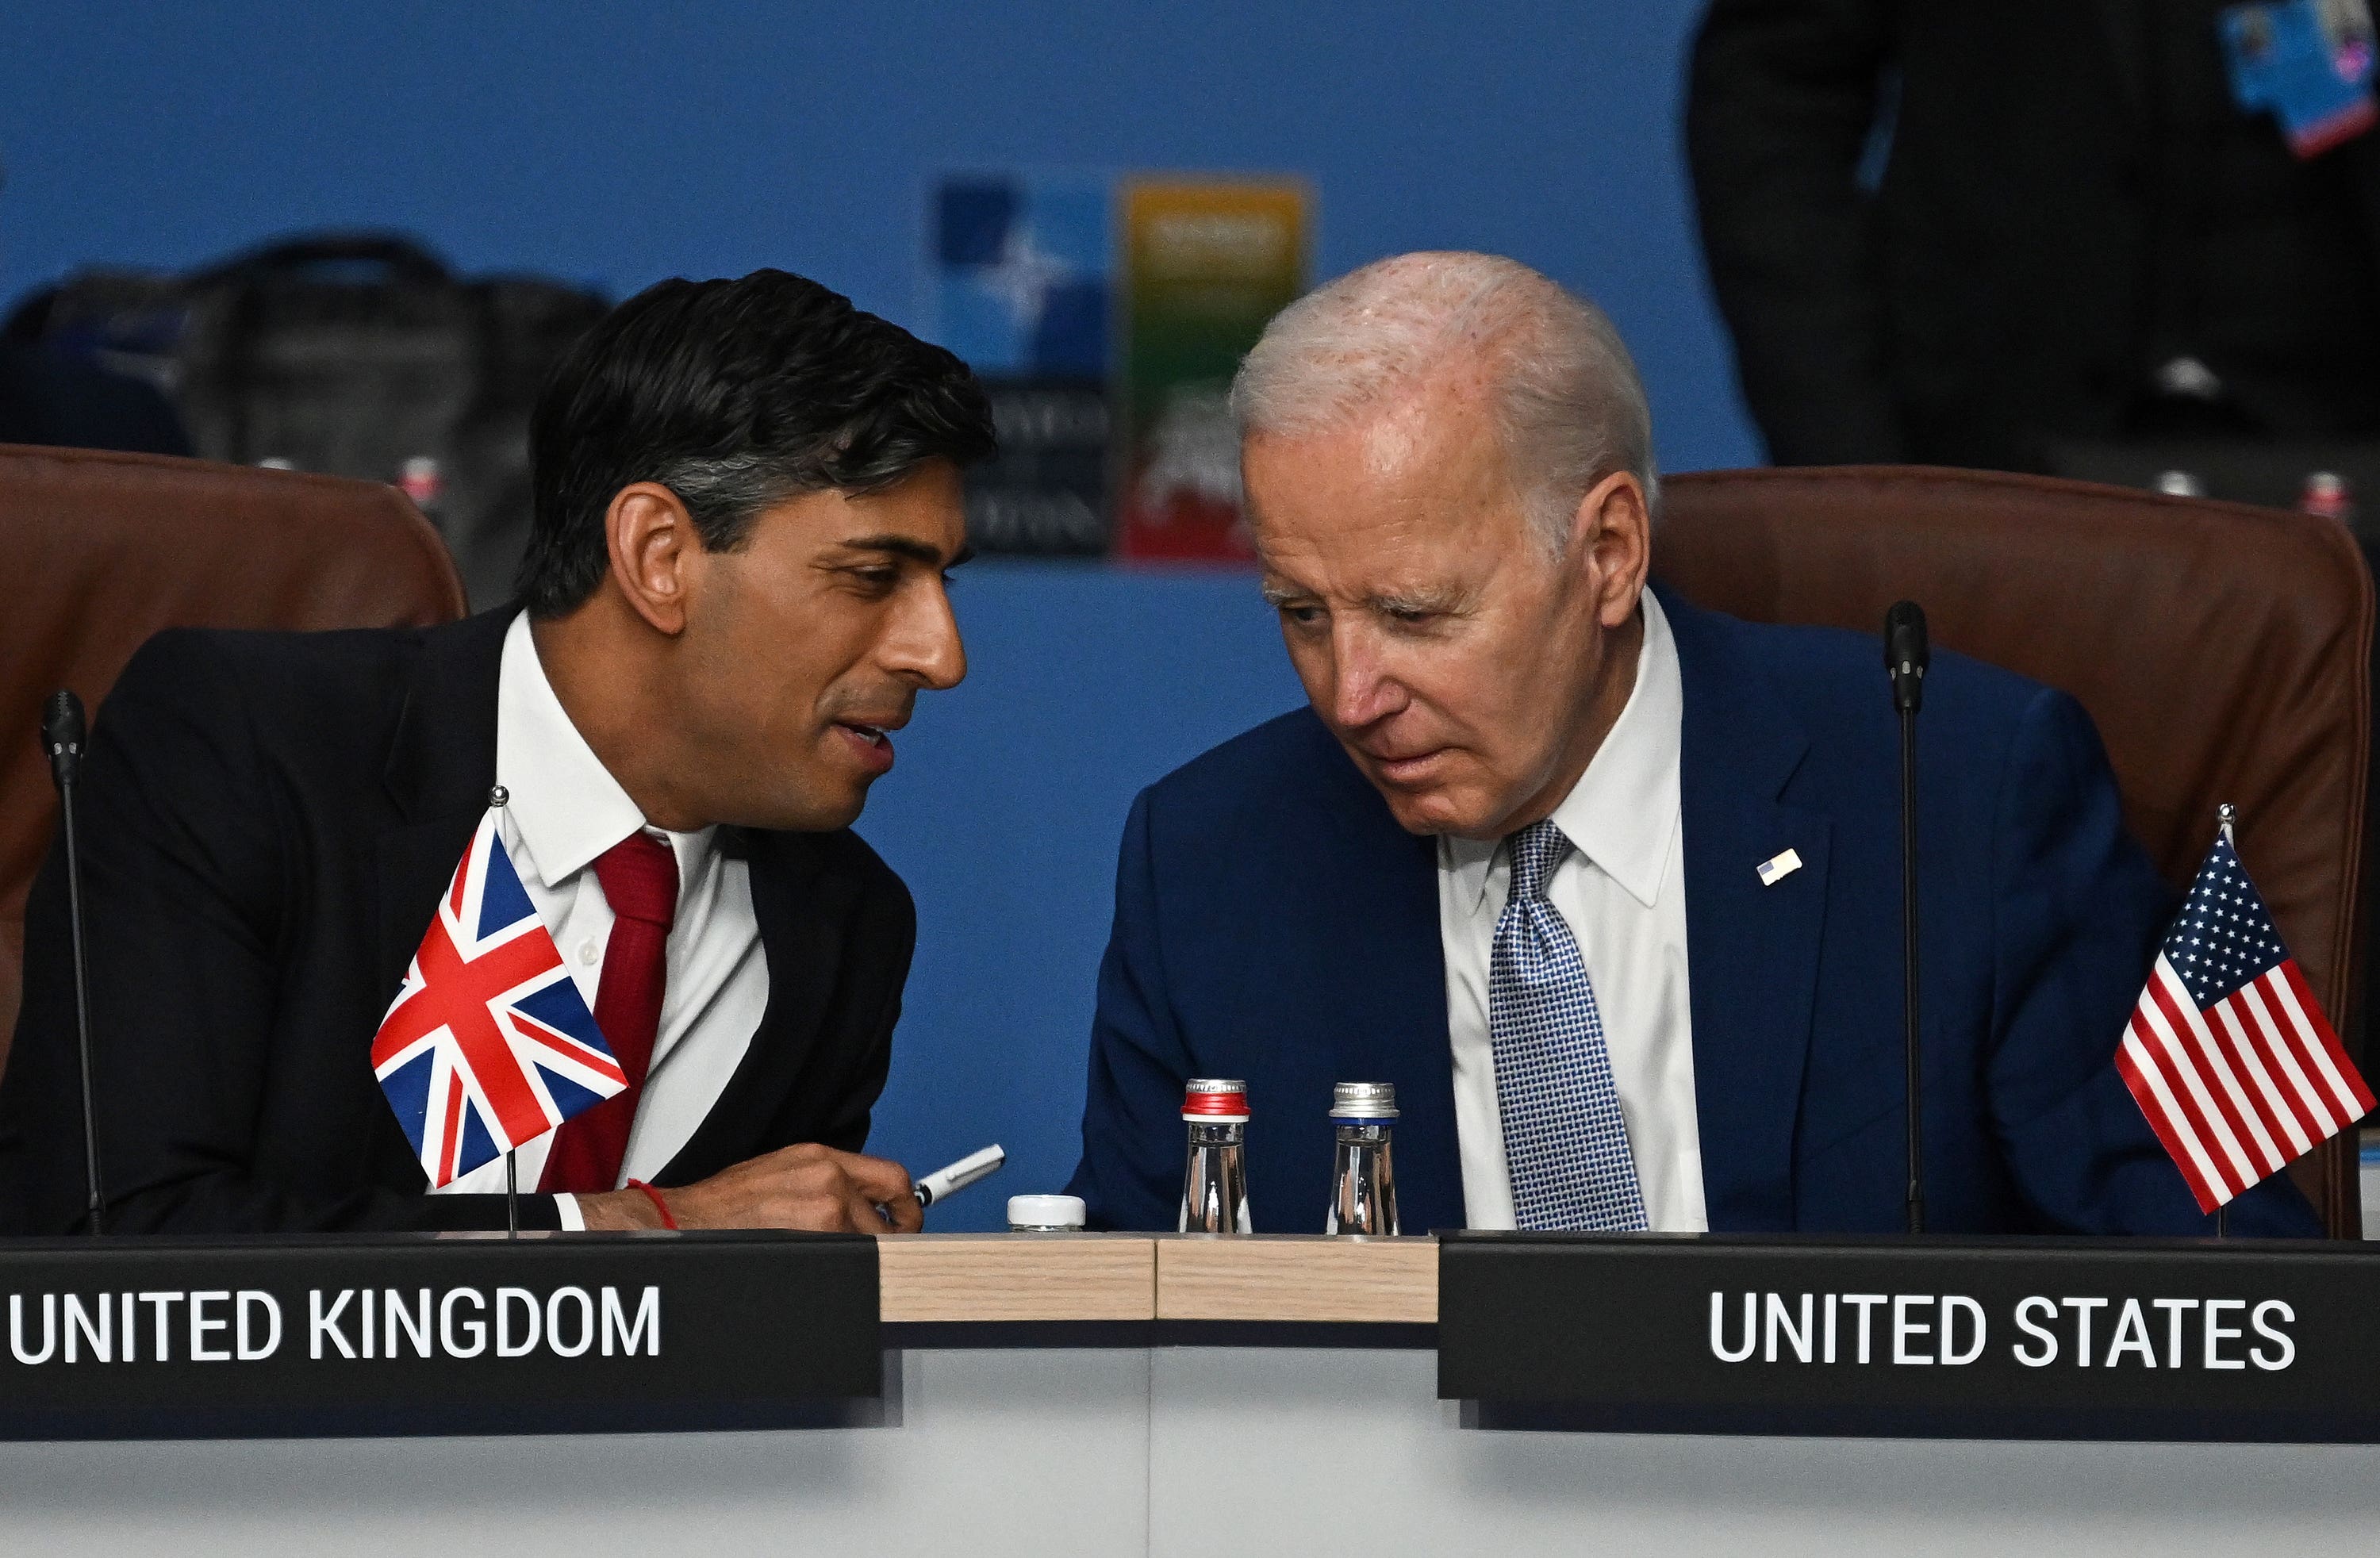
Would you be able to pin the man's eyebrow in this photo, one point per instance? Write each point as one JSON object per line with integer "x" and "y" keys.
{"x": 1442, "y": 600}
{"x": 909, "y": 547}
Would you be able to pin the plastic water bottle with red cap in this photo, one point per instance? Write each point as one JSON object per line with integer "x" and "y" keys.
{"x": 2327, "y": 496}
{"x": 1215, "y": 1185}
{"x": 1364, "y": 1189}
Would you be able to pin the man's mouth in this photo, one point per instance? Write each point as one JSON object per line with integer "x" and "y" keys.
{"x": 871, "y": 740}
{"x": 1405, "y": 768}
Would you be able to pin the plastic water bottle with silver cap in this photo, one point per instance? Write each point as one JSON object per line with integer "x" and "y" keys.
{"x": 1364, "y": 1189}
{"x": 1215, "y": 1183}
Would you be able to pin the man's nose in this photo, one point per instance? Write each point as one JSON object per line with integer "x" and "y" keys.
{"x": 924, "y": 647}
{"x": 1362, "y": 689}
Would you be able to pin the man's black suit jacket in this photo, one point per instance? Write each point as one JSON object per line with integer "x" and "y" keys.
{"x": 267, "y": 821}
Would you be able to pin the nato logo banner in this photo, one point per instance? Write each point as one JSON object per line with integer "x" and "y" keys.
{"x": 1018, "y": 285}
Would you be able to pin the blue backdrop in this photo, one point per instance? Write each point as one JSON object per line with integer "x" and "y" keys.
{"x": 618, "y": 142}
{"x": 1003, "y": 814}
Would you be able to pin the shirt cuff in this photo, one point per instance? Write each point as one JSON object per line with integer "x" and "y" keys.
{"x": 573, "y": 1220}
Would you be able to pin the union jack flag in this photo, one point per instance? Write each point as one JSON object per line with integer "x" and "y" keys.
{"x": 489, "y": 1044}
{"x": 2227, "y": 1053}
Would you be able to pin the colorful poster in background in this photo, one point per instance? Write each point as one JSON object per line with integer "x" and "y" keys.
{"x": 1019, "y": 286}
{"x": 2310, "y": 62}
{"x": 1206, "y": 263}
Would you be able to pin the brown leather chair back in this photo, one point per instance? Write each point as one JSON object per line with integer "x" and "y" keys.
{"x": 2222, "y": 650}
{"x": 105, "y": 549}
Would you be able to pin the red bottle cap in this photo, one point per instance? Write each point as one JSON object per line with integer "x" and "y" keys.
{"x": 1208, "y": 1099}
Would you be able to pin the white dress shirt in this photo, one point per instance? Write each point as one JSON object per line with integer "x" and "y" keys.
{"x": 563, "y": 810}
{"x": 1621, "y": 889}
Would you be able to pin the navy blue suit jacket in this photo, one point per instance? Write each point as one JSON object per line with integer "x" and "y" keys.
{"x": 1274, "y": 922}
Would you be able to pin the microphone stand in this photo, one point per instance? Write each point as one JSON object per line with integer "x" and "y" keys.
{"x": 1905, "y": 655}
{"x": 62, "y": 739}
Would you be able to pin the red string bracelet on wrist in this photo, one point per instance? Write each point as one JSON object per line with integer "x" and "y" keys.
{"x": 655, "y": 1197}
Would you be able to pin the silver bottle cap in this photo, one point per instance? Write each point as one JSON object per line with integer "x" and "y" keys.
{"x": 1363, "y": 1101}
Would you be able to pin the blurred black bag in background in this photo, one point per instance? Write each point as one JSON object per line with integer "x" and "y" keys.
{"x": 356, "y": 354}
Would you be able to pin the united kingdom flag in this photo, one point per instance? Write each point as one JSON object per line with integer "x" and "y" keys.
{"x": 489, "y": 1044}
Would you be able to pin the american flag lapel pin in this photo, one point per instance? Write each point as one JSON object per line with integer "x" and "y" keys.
{"x": 1777, "y": 868}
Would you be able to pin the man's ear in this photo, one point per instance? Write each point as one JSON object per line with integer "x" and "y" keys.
{"x": 656, "y": 555}
{"x": 1611, "y": 536}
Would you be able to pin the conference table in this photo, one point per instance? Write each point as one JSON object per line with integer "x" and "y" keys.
{"x": 1071, "y": 1394}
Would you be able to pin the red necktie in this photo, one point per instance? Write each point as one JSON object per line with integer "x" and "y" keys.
{"x": 639, "y": 877}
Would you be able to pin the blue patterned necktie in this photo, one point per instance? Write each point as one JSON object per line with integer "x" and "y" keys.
{"x": 1565, "y": 1142}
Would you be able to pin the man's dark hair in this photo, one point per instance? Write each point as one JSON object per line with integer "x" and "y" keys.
{"x": 736, "y": 395}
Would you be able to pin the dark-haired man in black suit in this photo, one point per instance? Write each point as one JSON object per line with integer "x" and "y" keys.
{"x": 747, "y": 493}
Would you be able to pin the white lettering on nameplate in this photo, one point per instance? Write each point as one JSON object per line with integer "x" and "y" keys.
{"x": 2079, "y": 1331}
{"x": 247, "y": 1325}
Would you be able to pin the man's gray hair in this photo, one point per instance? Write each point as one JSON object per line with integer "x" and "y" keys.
{"x": 1571, "y": 409}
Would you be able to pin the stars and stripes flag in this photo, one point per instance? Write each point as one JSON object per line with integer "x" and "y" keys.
{"x": 488, "y": 1045}
{"x": 2227, "y": 1053}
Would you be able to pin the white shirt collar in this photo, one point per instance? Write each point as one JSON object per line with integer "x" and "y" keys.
{"x": 1622, "y": 813}
{"x": 564, "y": 804}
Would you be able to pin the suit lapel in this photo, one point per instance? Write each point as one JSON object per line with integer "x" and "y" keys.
{"x": 802, "y": 939}
{"x": 442, "y": 760}
{"x": 440, "y": 764}
{"x": 1370, "y": 926}
{"x": 1752, "y": 950}
{"x": 1400, "y": 1035}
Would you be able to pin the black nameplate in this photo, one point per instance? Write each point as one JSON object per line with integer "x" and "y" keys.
{"x": 124, "y": 1338}
{"x": 1985, "y": 1339}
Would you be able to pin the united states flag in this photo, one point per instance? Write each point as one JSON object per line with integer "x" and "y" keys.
{"x": 489, "y": 1044}
{"x": 2227, "y": 1053}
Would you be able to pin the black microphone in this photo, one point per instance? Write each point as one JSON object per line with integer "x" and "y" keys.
{"x": 62, "y": 739}
{"x": 1904, "y": 654}
{"x": 1905, "y": 659}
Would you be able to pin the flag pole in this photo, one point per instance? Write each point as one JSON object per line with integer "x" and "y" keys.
{"x": 497, "y": 796}
{"x": 2226, "y": 814}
